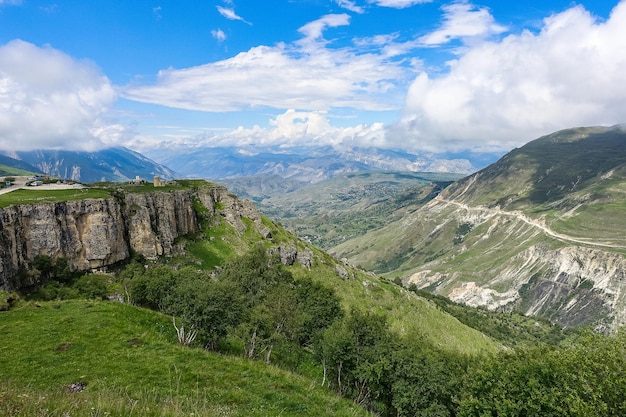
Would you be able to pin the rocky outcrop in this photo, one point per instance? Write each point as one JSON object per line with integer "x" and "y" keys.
{"x": 290, "y": 254}
{"x": 572, "y": 286}
{"x": 95, "y": 233}
{"x": 89, "y": 233}
{"x": 155, "y": 220}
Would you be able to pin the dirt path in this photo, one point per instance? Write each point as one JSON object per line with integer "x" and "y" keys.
{"x": 534, "y": 223}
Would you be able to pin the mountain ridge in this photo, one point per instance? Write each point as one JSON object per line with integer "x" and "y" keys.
{"x": 541, "y": 231}
{"x": 307, "y": 163}
{"x": 111, "y": 164}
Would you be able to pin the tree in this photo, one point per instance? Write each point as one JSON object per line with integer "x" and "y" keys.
{"x": 152, "y": 287}
{"x": 44, "y": 264}
{"x": 356, "y": 355}
{"x": 254, "y": 273}
{"x": 319, "y": 307}
{"x": 425, "y": 380}
{"x": 206, "y": 306}
{"x": 585, "y": 378}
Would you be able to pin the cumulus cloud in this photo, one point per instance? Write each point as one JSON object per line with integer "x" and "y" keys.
{"x": 500, "y": 94}
{"x": 306, "y": 75}
{"x": 291, "y": 128}
{"x": 49, "y": 100}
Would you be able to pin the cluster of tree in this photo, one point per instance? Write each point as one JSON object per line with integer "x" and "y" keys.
{"x": 254, "y": 301}
{"x": 255, "y": 307}
{"x": 48, "y": 278}
{"x": 405, "y": 376}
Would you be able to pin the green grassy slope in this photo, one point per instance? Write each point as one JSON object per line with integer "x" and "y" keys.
{"x": 132, "y": 366}
{"x": 406, "y": 312}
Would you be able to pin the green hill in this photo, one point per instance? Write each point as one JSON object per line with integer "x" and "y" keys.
{"x": 540, "y": 232}
{"x": 129, "y": 363}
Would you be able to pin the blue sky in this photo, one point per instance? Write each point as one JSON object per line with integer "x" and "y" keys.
{"x": 407, "y": 74}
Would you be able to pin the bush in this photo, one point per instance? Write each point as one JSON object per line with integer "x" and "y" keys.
{"x": 92, "y": 286}
{"x": 7, "y": 300}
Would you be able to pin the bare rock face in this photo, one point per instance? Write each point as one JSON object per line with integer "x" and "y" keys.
{"x": 572, "y": 286}
{"x": 155, "y": 220}
{"x": 95, "y": 233}
{"x": 89, "y": 233}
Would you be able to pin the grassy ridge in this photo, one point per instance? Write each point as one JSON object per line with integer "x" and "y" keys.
{"x": 50, "y": 196}
{"x": 131, "y": 365}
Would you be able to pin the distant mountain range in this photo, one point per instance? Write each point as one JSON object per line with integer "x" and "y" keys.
{"x": 541, "y": 231}
{"x": 308, "y": 163}
{"x": 299, "y": 165}
{"x": 113, "y": 164}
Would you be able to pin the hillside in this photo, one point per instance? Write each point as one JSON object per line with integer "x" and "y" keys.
{"x": 129, "y": 363}
{"x": 243, "y": 283}
{"x": 331, "y": 211}
{"x": 541, "y": 232}
{"x": 11, "y": 166}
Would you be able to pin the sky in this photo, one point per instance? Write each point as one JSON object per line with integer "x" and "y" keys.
{"x": 413, "y": 75}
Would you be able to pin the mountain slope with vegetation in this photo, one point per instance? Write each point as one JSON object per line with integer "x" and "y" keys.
{"x": 331, "y": 211}
{"x": 541, "y": 232}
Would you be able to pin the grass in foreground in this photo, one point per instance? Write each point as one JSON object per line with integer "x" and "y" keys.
{"x": 131, "y": 365}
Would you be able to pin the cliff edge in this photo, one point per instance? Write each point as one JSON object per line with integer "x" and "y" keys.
{"x": 96, "y": 233}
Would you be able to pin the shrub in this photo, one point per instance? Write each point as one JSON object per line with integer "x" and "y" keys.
{"x": 92, "y": 286}
{"x": 7, "y": 300}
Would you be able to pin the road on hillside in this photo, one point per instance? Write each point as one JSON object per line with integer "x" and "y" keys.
{"x": 531, "y": 222}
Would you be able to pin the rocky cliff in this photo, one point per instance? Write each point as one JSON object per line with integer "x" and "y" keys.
{"x": 95, "y": 233}
{"x": 506, "y": 261}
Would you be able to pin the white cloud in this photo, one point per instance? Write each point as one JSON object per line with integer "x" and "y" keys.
{"x": 291, "y": 128}
{"x": 49, "y": 100}
{"x": 157, "y": 12}
{"x": 398, "y": 4}
{"x": 230, "y": 14}
{"x": 10, "y": 2}
{"x": 219, "y": 35}
{"x": 463, "y": 20}
{"x": 502, "y": 94}
{"x": 314, "y": 30}
{"x": 306, "y": 75}
{"x": 350, "y": 5}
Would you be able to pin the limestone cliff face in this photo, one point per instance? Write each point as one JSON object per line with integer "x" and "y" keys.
{"x": 89, "y": 233}
{"x": 154, "y": 220}
{"x": 94, "y": 233}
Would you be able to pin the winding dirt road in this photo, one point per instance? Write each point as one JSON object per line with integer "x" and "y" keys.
{"x": 535, "y": 223}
